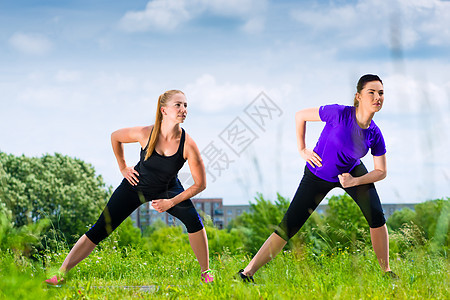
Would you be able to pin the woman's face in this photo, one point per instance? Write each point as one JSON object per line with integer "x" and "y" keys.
{"x": 371, "y": 97}
{"x": 175, "y": 109}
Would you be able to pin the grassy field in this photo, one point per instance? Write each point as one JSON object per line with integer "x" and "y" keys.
{"x": 127, "y": 273}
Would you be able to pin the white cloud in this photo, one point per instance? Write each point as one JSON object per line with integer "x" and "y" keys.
{"x": 410, "y": 95}
{"x": 211, "y": 96}
{"x": 368, "y": 23}
{"x": 170, "y": 14}
{"x": 158, "y": 14}
{"x": 234, "y": 7}
{"x": 31, "y": 44}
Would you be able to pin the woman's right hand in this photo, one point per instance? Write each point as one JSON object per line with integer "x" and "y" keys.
{"x": 311, "y": 157}
{"x": 130, "y": 174}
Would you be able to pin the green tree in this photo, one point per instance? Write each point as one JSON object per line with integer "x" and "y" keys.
{"x": 21, "y": 240}
{"x": 434, "y": 219}
{"x": 400, "y": 217}
{"x": 62, "y": 189}
{"x": 261, "y": 221}
{"x": 167, "y": 240}
{"x": 224, "y": 240}
{"x": 129, "y": 234}
{"x": 148, "y": 230}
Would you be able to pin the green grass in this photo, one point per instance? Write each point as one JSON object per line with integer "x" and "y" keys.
{"x": 291, "y": 275}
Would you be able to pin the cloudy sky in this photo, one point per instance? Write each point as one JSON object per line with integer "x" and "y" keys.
{"x": 72, "y": 72}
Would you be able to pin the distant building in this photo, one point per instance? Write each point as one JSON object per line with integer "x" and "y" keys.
{"x": 388, "y": 208}
{"x": 233, "y": 211}
{"x": 213, "y": 207}
{"x": 145, "y": 215}
{"x": 221, "y": 215}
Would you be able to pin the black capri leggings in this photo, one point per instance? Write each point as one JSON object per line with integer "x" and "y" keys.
{"x": 125, "y": 200}
{"x": 313, "y": 189}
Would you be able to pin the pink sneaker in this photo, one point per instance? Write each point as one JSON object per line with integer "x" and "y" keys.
{"x": 55, "y": 281}
{"x": 207, "y": 276}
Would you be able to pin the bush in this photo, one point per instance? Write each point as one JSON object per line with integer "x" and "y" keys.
{"x": 62, "y": 189}
{"x": 220, "y": 240}
{"x": 262, "y": 220}
{"x": 434, "y": 219}
{"x": 400, "y": 217}
{"x": 23, "y": 240}
{"x": 407, "y": 238}
{"x": 167, "y": 240}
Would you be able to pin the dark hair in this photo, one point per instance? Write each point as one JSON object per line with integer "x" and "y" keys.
{"x": 362, "y": 83}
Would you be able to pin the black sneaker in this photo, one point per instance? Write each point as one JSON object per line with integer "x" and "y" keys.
{"x": 245, "y": 278}
{"x": 391, "y": 275}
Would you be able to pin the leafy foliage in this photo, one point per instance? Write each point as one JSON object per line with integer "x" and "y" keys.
{"x": 224, "y": 240}
{"x": 262, "y": 220}
{"x": 343, "y": 225}
{"x": 59, "y": 188}
{"x": 21, "y": 240}
{"x": 400, "y": 217}
{"x": 167, "y": 240}
{"x": 346, "y": 223}
{"x": 129, "y": 235}
{"x": 430, "y": 218}
{"x": 434, "y": 218}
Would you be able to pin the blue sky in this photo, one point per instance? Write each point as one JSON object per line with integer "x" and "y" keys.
{"x": 72, "y": 72}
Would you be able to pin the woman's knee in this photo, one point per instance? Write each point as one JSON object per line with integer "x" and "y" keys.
{"x": 193, "y": 225}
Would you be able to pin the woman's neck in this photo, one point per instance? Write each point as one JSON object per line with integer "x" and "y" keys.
{"x": 363, "y": 118}
{"x": 170, "y": 131}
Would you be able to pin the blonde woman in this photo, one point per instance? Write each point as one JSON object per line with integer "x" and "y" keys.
{"x": 165, "y": 147}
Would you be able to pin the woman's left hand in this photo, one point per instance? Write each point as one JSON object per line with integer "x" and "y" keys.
{"x": 161, "y": 205}
{"x": 347, "y": 180}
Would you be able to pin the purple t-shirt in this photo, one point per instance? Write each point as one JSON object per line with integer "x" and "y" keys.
{"x": 342, "y": 142}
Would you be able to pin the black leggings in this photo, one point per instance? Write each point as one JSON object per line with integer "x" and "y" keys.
{"x": 125, "y": 200}
{"x": 313, "y": 189}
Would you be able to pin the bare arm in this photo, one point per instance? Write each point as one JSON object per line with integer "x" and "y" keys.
{"x": 379, "y": 173}
{"x": 301, "y": 117}
{"x": 128, "y": 135}
{"x": 198, "y": 172}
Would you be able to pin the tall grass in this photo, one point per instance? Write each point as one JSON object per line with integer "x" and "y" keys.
{"x": 111, "y": 272}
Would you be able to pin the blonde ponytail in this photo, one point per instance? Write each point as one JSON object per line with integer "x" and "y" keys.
{"x": 162, "y": 101}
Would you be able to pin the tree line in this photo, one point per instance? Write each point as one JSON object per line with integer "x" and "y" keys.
{"x": 49, "y": 201}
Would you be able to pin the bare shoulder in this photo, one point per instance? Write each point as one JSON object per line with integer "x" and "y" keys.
{"x": 190, "y": 147}
{"x": 141, "y": 132}
{"x": 189, "y": 141}
{"x": 146, "y": 130}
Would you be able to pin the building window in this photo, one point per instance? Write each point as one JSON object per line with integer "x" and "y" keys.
{"x": 216, "y": 205}
{"x": 229, "y": 212}
{"x": 229, "y": 219}
{"x": 238, "y": 212}
{"x": 198, "y": 205}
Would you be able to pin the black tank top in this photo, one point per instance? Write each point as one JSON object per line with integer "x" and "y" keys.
{"x": 158, "y": 172}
